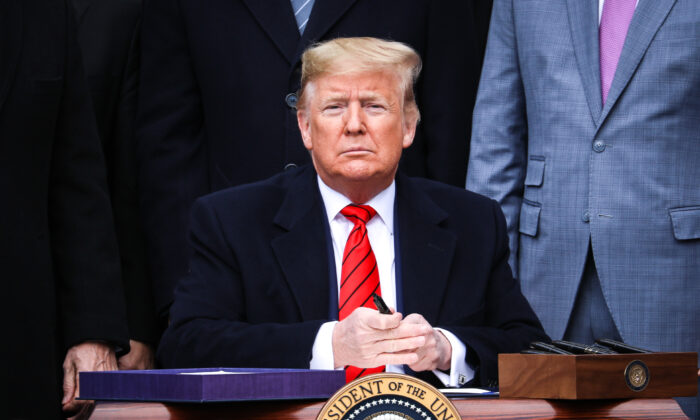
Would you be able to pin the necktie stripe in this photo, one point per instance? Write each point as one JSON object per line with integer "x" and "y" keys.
{"x": 302, "y": 12}
{"x": 369, "y": 214}
{"x": 354, "y": 247}
{"x": 352, "y": 216}
{"x": 355, "y": 269}
{"x": 358, "y": 288}
{"x": 367, "y": 298}
{"x": 361, "y": 372}
{"x": 301, "y": 27}
{"x": 301, "y": 7}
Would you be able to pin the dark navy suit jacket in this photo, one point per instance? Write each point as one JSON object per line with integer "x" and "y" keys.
{"x": 258, "y": 286}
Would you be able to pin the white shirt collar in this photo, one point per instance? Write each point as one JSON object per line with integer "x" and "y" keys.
{"x": 383, "y": 203}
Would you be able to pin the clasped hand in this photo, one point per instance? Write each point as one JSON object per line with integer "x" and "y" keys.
{"x": 367, "y": 338}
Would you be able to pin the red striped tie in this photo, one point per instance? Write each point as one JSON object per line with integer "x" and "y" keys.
{"x": 359, "y": 275}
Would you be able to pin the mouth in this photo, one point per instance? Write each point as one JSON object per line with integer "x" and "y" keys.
{"x": 356, "y": 152}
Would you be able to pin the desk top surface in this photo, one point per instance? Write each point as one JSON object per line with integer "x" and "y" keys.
{"x": 472, "y": 408}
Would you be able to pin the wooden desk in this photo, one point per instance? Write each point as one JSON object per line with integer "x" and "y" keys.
{"x": 471, "y": 408}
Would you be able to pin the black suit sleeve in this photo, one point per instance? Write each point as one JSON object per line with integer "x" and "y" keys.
{"x": 138, "y": 290}
{"x": 209, "y": 326}
{"x": 83, "y": 243}
{"x": 509, "y": 323}
{"x": 171, "y": 140}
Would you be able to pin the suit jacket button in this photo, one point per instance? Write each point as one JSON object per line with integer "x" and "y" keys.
{"x": 598, "y": 146}
{"x": 291, "y": 100}
{"x": 586, "y": 217}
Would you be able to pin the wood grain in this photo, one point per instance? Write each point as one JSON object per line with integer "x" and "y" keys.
{"x": 595, "y": 376}
{"x": 469, "y": 408}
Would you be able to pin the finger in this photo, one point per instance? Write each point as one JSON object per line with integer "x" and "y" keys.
{"x": 68, "y": 383}
{"x": 426, "y": 361}
{"x": 84, "y": 412}
{"x": 125, "y": 363}
{"x": 79, "y": 409}
{"x": 396, "y": 359}
{"x": 383, "y": 322}
{"x": 110, "y": 363}
{"x": 415, "y": 319}
{"x": 77, "y": 386}
{"x": 405, "y": 330}
{"x": 399, "y": 345}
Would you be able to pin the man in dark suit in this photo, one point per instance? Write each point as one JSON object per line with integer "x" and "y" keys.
{"x": 218, "y": 93}
{"x": 63, "y": 308}
{"x": 108, "y": 35}
{"x": 284, "y": 269}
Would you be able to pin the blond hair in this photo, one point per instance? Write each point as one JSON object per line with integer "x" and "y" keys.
{"x": 357, "y": 55}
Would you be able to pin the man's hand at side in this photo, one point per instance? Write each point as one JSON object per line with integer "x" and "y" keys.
{"x": 367, "y": 338}
{"x": 436, "y": 352}
{"x": 87, "y": 356}
{"x": 138, "y": 358}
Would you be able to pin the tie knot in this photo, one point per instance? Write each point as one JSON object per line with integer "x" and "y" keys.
{"x": 358, "y": 213}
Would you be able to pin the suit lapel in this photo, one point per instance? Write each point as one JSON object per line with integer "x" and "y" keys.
{"x": 647, "y": 19}
{"x": 10, "y": 44}
{"x": 426, "y": 250}
{"x": 323, "y": 16}
{"x": 302, "y": 251}
{"x": 583, "y": 22}
{"x": 277, "y": 19}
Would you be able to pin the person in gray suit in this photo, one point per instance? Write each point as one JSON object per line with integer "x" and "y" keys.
{"x": 587, "y": 131}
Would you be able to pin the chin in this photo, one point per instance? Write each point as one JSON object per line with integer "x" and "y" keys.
{"x": 358, "y": 172}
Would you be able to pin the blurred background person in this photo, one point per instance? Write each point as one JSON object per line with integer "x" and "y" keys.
{"x": 108, "y": 35}
{"x": 64, "y": 308}
{"x": 587, "y": 131}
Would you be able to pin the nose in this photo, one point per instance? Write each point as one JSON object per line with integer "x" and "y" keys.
{"x": 354, "y": 123}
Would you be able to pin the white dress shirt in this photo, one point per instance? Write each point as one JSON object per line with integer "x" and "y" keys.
{"x": 380, "y": 230}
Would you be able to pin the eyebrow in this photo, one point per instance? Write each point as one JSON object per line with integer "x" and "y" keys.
{"x": 364, "y": 96}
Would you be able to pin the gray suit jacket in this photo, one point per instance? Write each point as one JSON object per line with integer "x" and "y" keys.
{"x": 568, "y": 170}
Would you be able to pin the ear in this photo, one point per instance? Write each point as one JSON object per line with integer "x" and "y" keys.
{"x": 410, "y": 122}
{"x": 305, "y": 128}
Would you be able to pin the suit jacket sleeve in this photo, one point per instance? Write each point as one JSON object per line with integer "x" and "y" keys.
{"x": 499, "y": 132}
{"x": 171, "y": 142}
{"x": 208, "y": 319}
{"x": 83, "y": 243}
{"x": 138, "y": 290}
{"x": 510, "y": 324}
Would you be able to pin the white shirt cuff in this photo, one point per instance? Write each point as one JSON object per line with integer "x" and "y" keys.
{"x": 322, "y": 351}
{"x": 460, "y": 371}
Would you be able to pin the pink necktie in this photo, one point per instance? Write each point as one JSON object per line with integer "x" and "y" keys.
{"x": 616, "y": 18}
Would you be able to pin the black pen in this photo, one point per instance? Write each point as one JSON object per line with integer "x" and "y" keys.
{"x": 381, "y": 306}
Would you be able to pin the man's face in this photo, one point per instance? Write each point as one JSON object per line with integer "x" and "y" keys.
{"x": 355, "y": 127}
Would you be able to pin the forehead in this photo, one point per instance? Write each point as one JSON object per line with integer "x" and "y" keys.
{"x": 368, "y": 83}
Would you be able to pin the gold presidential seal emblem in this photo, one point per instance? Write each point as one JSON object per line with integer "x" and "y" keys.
{"x": 637, "y": 375}
{"x": 388, "y": 396}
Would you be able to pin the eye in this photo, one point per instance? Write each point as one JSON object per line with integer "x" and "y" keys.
{"x": 332, "y": 109}
{"x": 375, "y": 107}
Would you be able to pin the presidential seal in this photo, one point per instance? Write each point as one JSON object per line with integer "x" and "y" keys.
{"x": 637, "y": 375}
{"x": 388, "y": 396}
